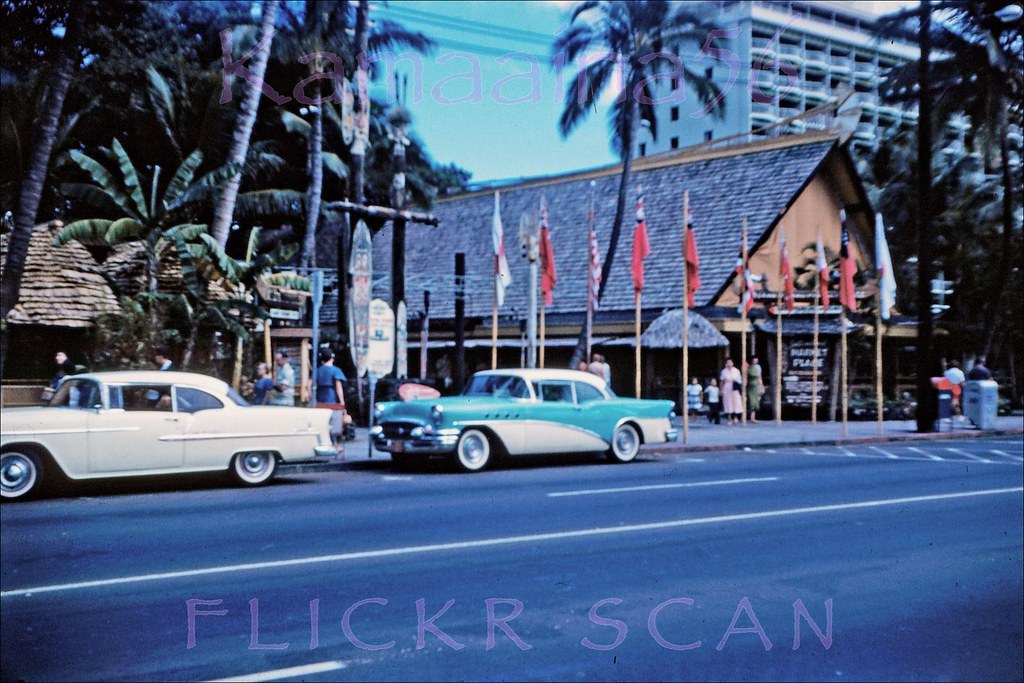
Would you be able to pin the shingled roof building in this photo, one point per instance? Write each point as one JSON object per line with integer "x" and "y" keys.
{"x": 794, "y": 185}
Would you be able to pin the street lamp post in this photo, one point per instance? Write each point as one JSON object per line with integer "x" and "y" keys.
{"x": 926, "y": 407}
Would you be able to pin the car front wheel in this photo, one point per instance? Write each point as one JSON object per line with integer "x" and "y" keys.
{"x": 473, "y": 452}
{"x": 253, "y": 469}
{"x": 21, "y": 474}
{"x": 625, "y": 444}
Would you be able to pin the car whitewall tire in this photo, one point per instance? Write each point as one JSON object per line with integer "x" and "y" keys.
{"x": 473, "y": 452}
{"x": 253, "y": 469}
{"x": 625, "y": 443}
{"x": 20, "y": 474}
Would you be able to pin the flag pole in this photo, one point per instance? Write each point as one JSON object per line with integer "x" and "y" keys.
{"x": 590, "y": 276}
{"x": 686, "y": 322}
{"x": 494, "y": 319}
{"x": 778, "y": 358}
{"x": 878, "y": 363}
{"x": 639, "y": 294}
{"x": 842, "y": 326}
{"x": 543, "y": 309}
{"x": 743, "y": 331}
{"x": 814, "y": 366}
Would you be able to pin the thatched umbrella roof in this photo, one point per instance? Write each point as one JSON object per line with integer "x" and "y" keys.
{"x": 61, "y": 286}
{"x": 666, "y": 332}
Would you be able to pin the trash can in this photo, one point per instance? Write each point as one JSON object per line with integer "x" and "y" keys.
{"x": 981, "y": 402}
{"x": 944, "y": 407}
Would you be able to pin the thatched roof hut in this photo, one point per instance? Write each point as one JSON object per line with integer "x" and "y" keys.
{"x": 61, "y": 286}
{"x": 666, "y": 332}
{"x": 125, "y": 268}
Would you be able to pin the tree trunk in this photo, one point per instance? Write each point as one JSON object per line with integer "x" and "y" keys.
{"x": 38, "y": 168}
{"x": 628, "y": 135}
{"x": 1003, "y": 273}
{"x": 224, "y": 209}
{"x": 316, "y": 180}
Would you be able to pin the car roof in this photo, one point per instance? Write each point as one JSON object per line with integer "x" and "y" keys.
{"x": 541, "y": 374}
{"x": 211, "y": 384}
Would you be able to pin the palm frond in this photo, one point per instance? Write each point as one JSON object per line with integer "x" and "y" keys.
{"x": 90, "y": 232}
{"x": 130, "y": 177}
{"x": 182, "y": 178}
{"x": 106, "y": 182}
{"x": 125, "y": 230}
{"x": 161, "y": 102}
{"x": 583, "y": 94}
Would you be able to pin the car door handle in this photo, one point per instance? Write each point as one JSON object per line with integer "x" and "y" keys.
{"x": 171, "y": 419}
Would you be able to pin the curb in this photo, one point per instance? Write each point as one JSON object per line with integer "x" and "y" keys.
{"x": 837, "y": 441}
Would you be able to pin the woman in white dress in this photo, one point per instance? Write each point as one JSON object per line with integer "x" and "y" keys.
{"x": 731, "y": 382}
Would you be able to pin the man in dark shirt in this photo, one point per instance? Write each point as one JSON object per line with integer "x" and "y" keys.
{"x": 979, "y": 371}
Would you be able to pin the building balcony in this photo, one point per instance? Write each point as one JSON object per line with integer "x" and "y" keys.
{"x": 839, "y": 64}
{"x": 791, "y": 51}
{"x": 864, "y": 131}
{"x": 888, "y": 112}
{"x": 863, "y": 71}
{"x": 816, "y": 59}
{"x": 789, "y": 88}
{"x": 764, "y": 82}
{"x": 815, "y": 92}
{"x": 763, "y": 49}
{"x": 786, "y": 112}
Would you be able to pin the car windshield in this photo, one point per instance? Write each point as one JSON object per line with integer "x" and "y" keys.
{"x": 498, "y": 386}
{"x": 77, "y": 393}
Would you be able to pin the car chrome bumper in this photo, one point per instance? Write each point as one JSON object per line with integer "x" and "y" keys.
{"x": 325, "y": 452}
{"x": 441, "y": 443}
{"x": 671, "y": 435}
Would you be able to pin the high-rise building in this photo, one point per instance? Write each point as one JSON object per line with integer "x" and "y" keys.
{"x": 777, "y": 60}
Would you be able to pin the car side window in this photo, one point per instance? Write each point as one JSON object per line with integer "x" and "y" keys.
{"x": 77, "y": 393}
{"x": 193, "y": 400}
{"x": 144, "y": 397}
{"x": 586, "y": 392}
{"x": 560, "y": 392}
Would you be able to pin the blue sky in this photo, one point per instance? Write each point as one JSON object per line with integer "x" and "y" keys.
{"x": 488, "y": 98}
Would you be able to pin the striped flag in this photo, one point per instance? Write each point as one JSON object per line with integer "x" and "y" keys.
{"x": 502, "y": 275}
{"x": 641, "y": 247}
{"x": 847, "y": 289}
{"x": 786, "y": 273}
{"x": 746, "y": 281}
{"x": 886, "y": 277}
{"x": 821, "y": 264}
{"x": 594, "y": 274}
{"x": 692, "y": 263}
{"x": 548, "y": 277}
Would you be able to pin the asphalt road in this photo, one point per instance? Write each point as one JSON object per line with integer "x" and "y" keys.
{"x": 693, "y": 563}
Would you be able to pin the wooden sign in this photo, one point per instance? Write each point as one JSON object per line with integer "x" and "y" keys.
{"x": 361, "y": 269}
{"x": 796, "y": 378}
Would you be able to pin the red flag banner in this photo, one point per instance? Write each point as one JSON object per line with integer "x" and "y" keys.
{"x": 641, "y": 247}
{"x": 692, "y": 265}
{"x": 786, "y": 273}
{"x": 594, "y": 276}
{"x": 847, "y": 290}
{"x": 746, "y": 280}
{"x": 547, "y": 257}
{"x": 821, "y": 263}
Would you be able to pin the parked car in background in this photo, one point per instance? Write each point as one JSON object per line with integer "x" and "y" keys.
{"x": 520, "y": 412}
{"x": 120, "y": 424}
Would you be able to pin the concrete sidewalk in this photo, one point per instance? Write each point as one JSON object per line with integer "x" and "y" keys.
{"x": 708, "y": 437}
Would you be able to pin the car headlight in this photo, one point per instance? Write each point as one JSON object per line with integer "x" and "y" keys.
{"x": 671, "y": 415}
{"x": 378, "y": 409}
{"x": 376, "y": 429}
{"x": 436, "y": 413}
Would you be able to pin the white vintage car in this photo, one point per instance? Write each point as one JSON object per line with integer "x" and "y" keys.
{"x": 121, "y": 424}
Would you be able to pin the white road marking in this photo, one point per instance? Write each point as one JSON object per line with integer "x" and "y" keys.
{"x": 1007, "y": 455}
{"x": 392, "y": 477}
{"x": 658, "y": 487}
{"x": 885, "y": 453}
{"x": 693, "y": 460}
{"x": 969, "y": 456}
{"x": 503, "y": 541}
{"x": 846, "y": 451}
{"x": 808, "y": 451}
{"x": 290, "y": 672}
{"x": 924, "y": 453}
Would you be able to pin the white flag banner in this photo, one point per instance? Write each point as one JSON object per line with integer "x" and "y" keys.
{"x": 502, "y": 275}
{"x": 883, "y": 263}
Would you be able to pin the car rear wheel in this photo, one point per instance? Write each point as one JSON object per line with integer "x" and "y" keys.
{"x": 473, "y": 453}
{"x": 21, "y": 474}
{"x": 253, "y": 469}
{"x": 625, "y": 444}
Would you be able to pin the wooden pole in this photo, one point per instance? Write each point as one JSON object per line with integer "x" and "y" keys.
{"x": 543, "y": 310}
{"x": 778, "y": 359}
{"x": 814, "y": 367}
{"x": 743, "y": 331}
{"x": 879, "y": 398}
{"x": 686, "y": 322}
{"x": 843, "y": 371}
{"x": 590, "y": 284}
{"x": 494, "y": 320}
{"x": 639, "y": 296}
{"x": 268, "y": 357}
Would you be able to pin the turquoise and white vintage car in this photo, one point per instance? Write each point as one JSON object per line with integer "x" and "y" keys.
{"x": 520, "y": 412}
{"x": 122, "y": 424}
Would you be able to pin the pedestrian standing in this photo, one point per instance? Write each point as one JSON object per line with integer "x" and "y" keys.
{"x": 161, "y": 360}
{"x": 731, "y": 383}
{"x": 263, "y": 386}
{"x": 64, "y": 368}
{"x": 284, "y": 381}
{"x": 328, "y": 380}
{"x": 956, "y": 378}
{"x": 714, "y": 401}
{"x": 694, "y": 391}
{"x": 755, "y": 388}
{"x": 979, "y": 371}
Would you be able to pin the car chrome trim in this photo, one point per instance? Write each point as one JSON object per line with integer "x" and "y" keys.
{"x": 236, "y": 435}
{"x": 51, "y": 432}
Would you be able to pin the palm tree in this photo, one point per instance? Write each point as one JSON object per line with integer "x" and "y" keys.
{"x": 225, "y": 206}
{"x": 976, "y": 72}
{"x": 633, "y": 35}
{"x": 39, "y": 163}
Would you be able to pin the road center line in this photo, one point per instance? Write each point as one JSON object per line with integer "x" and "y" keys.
{"x": 657, "y": 487}
{"x": 290, "y": 672}
{"x": 504, "y": 540}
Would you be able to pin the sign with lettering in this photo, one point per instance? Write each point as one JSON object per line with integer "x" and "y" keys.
{"x": 799, "y": 369}
{"x": 380, "y": 357}
{"x": 361, "y": 269}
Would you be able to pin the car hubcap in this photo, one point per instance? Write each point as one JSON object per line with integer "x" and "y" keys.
{"x": 254, "y": 464}
{"x": 625, "y": 442}
{"x": 17, "y": 473}
{"x": 473, "y": 450}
